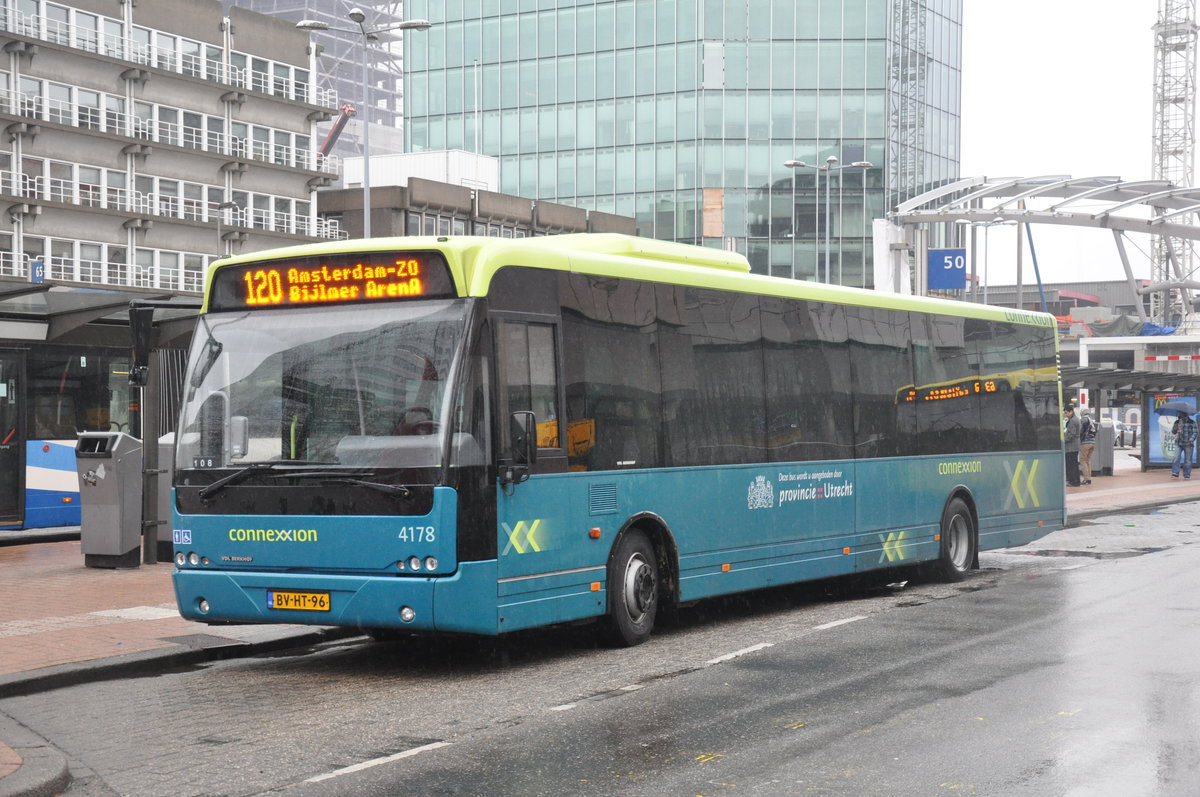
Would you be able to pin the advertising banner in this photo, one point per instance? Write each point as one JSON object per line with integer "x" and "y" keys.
{"x": 1162, "y": 410}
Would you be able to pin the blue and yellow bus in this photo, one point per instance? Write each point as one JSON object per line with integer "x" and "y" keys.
{"x": 482, "y": 435}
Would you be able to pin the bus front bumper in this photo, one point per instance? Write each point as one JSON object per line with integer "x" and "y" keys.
{"x": 463, "y": 602}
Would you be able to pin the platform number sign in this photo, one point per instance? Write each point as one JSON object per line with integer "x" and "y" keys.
{"x": 37, "y": 270}
{"x": 947, "y": 269}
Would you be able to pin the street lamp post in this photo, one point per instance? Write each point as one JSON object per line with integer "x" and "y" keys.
{"x": 986, "y": 225}
{"x": 829, "y": 167}
{"x": 369, "y": 35}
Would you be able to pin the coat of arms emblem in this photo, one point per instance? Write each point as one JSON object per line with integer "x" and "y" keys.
{"x": 761, "y": 494}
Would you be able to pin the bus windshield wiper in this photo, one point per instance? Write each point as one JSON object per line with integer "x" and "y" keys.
{"x": 343, "y": 478}
{"x": 241, "y": 475}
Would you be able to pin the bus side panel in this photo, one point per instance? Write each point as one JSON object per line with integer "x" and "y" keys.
{"x": 736, "y": 528}
{"x": 758, "y": 526}
{"x": 1023, "y": 498}
{"x": 747, "y": 527}
{"x": 548, "y": 563}
{"x": 51, "y": 484}
{"x": 1018, "y": 498}
{"x": 895, "y": 522}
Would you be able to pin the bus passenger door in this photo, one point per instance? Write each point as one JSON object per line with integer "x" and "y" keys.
{"x": 533, "y": 507}
{"x": 12, "y": 439}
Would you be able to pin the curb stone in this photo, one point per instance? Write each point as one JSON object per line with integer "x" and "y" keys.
{"x": 43, "y": 771}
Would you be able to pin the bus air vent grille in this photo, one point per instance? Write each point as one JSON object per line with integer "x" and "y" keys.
{"x": 602, "y": 499}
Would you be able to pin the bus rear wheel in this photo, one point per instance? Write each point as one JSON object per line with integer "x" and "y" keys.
{"x": 632, "y": 591}
{"x": 959, "y": 542}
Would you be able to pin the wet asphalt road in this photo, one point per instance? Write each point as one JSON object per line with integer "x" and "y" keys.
{"x": 1084, "y": 682}
{"x": 1071, "y": 668}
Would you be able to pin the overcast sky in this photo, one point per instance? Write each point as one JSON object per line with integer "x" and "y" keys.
{"x": 1058, "y": 87}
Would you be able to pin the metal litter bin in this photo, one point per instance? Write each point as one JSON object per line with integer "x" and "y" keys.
{"x": 109, "y": 465}
{"x": 1102, "y": 457}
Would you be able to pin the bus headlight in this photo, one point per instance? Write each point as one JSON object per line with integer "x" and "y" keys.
{"x": 430, "y": 563}
{"x": 194, "y": 559}
{"x": 414, "y": 563}
{"x": 407, "y": 614}
{"x": 180, "y": 559}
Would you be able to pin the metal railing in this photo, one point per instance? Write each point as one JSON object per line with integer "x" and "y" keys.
{"x": 163, "y": 205}
{"x": 189, "y": 136}
{"x": 192, "y": 64}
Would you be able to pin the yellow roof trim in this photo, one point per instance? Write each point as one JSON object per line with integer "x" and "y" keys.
{"x": 474, "y": 260}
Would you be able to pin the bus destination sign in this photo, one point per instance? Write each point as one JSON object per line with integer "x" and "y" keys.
{"x": 356, "y": 278}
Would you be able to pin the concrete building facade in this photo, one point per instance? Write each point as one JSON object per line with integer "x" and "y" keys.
{"x": 139, "y": 142}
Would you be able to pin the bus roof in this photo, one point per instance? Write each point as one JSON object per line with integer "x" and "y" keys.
{"x": 475, "y": 259}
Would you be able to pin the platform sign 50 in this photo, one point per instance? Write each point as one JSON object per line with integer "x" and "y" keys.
{"x": 947, "y": 269}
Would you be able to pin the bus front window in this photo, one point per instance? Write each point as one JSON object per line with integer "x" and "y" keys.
{"x": 362, "y": 387}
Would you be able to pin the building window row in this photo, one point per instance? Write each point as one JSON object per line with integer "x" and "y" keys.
{"x": 650, "y": 70}
{"x": 105, "y": 264}
{"x": 757, "y": 116}
{"x": 97, "y": 33}
{"x": 98, "y": 187}
{"x": 62, "y": 104}
{"x": 441, "y": 224}
{"x": 543, "y": 30}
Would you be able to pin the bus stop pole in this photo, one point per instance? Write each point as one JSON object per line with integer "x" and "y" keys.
{"x": 150, "y": 433}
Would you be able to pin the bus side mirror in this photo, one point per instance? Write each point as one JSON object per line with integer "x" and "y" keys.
{"x": 523, "y": 437}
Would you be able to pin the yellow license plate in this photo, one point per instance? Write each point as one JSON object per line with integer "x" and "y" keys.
{"x": 298, "y": 601}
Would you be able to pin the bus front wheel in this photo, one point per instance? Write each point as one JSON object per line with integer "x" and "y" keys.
{"x": 632, "y": 591}
{"x": 958, "y": 542}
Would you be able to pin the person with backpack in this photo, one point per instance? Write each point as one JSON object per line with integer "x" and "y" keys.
{"x": 1185, "y": 441}
{"x": 1071, "y": 445}
{"x": 1087, "y": 445}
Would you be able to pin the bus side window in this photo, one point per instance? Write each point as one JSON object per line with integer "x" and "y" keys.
{"x": 528, "y": 359}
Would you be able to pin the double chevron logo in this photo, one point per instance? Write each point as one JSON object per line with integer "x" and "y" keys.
{"x": 1021, "y": 484}
{"x": 893, "y": 549}
{"x": 522, "y": 538}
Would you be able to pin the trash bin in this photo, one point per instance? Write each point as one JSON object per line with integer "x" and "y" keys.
{"x": 1102, "y": 457}
{"x": 109, "y": 465}
{"x": 166, "y": 466}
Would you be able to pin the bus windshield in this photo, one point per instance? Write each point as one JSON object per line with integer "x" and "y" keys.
{"x": 360, "y": 387}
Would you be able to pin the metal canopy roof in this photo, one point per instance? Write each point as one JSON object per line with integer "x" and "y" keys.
{"x": 1147, "y": 381}
{"x": 47, "y": 311}
{"x": 1145, "y": 206}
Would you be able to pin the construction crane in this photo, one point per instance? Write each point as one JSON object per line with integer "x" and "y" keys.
{"x": 1172, "y": 259}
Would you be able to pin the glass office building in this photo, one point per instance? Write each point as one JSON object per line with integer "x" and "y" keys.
{"x": 682, "y": 113}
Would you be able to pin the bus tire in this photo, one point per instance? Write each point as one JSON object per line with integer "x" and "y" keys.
{"x": 959, "y": 542}
{"x": 632, "y": 591}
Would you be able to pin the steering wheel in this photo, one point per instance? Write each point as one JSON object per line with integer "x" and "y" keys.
{"x": 416, "y": 420}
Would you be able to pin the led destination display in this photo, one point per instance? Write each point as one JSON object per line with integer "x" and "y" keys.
{"x": 336, "y": 279}
{"x": 953, "y": 390}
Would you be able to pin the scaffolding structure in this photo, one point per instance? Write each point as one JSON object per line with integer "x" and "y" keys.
{"x": 1172, "y": 259}
{"x": 339, "y": 64}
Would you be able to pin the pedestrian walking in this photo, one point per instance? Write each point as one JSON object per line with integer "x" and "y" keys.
{"x": 1184, "y": 430}
{"x": 1071, "y": 429}
{"x": 1087, "y": 445}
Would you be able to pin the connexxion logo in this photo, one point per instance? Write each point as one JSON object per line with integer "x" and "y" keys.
{"x": 273, "y": 535}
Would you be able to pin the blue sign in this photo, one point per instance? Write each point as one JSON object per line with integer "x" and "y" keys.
{"x": 37, "y": 270}
{"x": 947, "y": 269}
